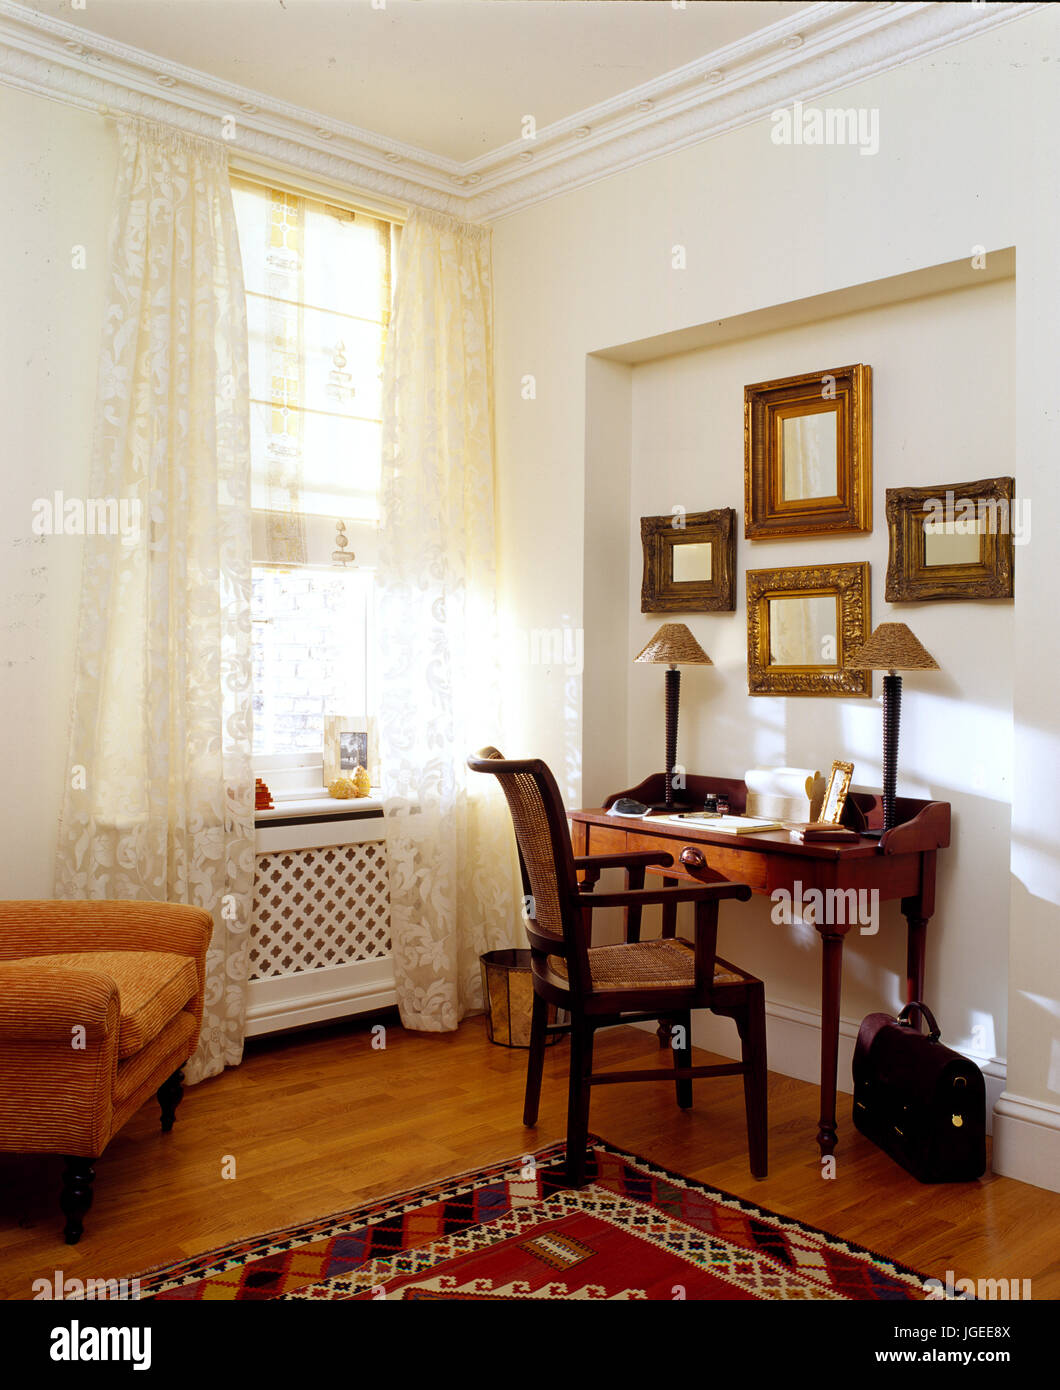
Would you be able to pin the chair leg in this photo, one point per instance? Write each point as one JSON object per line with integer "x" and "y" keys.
{"x": 581, "y": 1066}
{"x": 76, "y": 1196}
{"x": 535, "y": 1063}
{"x": 751, "y": 1021}
{"x": 169, "y": 1096}
{"x": 683, "y": 1058}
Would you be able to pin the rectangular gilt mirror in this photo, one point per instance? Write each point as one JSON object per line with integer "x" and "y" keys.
{"x": 802, "y": 624}
{"x": 808, "y": 454}
{"x": 953, "y": 541}
{"x": 689, "y": 562}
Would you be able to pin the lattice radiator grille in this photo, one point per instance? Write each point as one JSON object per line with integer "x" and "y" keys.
{"x": 317, "y": 907}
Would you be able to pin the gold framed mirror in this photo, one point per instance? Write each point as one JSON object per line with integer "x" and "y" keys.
{"x": 953, "y": 541}
{"x": 802, "y": 624}
{"x": 689, "y": 562}
{"x": 808, "y": 454}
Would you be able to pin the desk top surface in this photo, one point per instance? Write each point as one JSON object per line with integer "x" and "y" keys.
{"x": 765, "y": 841}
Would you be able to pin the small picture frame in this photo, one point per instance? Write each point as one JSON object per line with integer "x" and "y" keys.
{"x": 349, "y": 743}
{"x": 689, "y": 562}
{"x": 836, "y": 794}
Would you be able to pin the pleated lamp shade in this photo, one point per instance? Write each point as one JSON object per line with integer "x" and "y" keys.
{"x": 674, "y": 645}
{"x": 892, "y": 647}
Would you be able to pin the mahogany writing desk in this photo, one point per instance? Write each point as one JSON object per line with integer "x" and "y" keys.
{"x": 900, "y": 864}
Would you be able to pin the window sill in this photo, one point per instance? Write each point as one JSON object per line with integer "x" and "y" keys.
{"x": 319, "y": 808}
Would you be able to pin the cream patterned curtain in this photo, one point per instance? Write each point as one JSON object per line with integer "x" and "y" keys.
{"x": 159, "y": 801}
{"x": 453, "y": 873}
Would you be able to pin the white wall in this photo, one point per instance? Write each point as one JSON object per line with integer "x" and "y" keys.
{"x": 942, "y": 385}
{"x": 58, "y": 169}
{"x": 968, "y": 140}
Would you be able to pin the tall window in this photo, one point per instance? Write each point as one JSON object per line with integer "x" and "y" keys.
{"x": 318, "y": 306}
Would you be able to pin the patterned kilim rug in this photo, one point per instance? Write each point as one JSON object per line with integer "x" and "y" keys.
{"x": 514, "y": 1231}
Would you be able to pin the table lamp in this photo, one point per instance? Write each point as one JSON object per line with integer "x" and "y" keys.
{"x": 891, "y": 648}
{"x": 673, "y": 645}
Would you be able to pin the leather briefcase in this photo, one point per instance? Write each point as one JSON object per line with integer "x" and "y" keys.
{"x": 921, "y": 1102}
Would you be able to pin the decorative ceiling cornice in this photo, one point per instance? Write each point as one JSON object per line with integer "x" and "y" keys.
{"x": 818, "y": 50}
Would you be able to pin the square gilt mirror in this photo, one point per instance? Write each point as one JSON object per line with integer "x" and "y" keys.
{"x": 802, "y": 625}
{"x": 689, "y": 562}
{"x": 953, "y": 541}
{"x": 808, "y": 454}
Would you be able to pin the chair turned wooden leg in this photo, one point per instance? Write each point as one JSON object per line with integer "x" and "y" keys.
{"x": 169, "y": 1096}
{"x": 76, "y": 1196}
{"x": 751, "y": 1022}
{"x": 535, "y": 1063}
{"x": 581, "y": 1065}
{"x": 683, "y": 1058}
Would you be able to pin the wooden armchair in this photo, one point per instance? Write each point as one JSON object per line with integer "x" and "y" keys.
{"x": 604, "y": 986}
{"x": 100, "y": 1007}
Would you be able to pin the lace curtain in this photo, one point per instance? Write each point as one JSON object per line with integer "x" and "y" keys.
{"x": 453, "y": 873}
{"x": 159, "y": 801}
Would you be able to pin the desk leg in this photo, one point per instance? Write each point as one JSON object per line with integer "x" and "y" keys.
{"x": 914, "y": 956}
{"x": 669, "y": 928}
{"x": 831, "y": 977}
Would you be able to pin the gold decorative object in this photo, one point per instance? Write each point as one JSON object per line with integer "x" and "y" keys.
{"x": 808, "y": 454}
{"x": 836, "y": 795}
{"x": 803, "y": 624}
{"x": 343, "y": 789}
{"x": 953, "y": 541}
{"x": 689, "y": 562}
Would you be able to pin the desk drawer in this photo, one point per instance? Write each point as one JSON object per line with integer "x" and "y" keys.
{"x": 733, "y": 865}
{"x": 605, "y": 840}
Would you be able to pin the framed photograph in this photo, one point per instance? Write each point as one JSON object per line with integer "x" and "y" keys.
{"x": 808, "y": 454}
{"x": 349, "y": 743}
{"x": 689, "y": 562}
{"x": 836, "y": 795}
{"x": 953, "y": 541}
{"x": 803, "y": 624}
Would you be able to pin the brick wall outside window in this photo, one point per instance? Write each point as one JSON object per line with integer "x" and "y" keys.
{"x": 309, "y": 636}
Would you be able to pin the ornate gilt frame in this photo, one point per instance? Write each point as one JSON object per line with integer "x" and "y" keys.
{"x": 910, "y": 580}
{"x": 844, "y": 771}
{"x": 659, "y": 535}
{"x": 850, "y": 585}
{"x": 766, "y": 512}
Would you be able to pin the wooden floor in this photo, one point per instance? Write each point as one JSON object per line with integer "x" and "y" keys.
{"x": 318, "y": 1122}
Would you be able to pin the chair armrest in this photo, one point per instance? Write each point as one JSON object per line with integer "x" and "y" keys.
{"x": 44, "y": 928}
{"x": 634, "y": 858}
{"x": 42, "y": 1004}
{"x": 646, "y": 897}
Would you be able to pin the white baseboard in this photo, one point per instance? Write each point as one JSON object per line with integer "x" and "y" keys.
{"x": 793, "y": 1042}
{"x": 314, "y": 996}
{"x": 1027, "y": 1140}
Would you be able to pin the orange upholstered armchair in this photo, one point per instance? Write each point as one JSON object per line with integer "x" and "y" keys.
{"x": 100, "y": 1007}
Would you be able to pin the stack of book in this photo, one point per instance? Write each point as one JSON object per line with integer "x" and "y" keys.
{"x": 821, "y": 832}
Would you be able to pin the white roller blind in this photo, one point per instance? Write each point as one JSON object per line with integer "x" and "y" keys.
{"x": 318, "y": 306}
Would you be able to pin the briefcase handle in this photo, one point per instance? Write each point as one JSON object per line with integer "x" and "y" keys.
{"x": 929, "y": 1017}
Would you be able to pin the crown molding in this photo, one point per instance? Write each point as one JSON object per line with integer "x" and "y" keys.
{"x": 821, "y": 49}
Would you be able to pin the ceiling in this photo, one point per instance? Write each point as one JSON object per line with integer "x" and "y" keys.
{"x": 452, "y": 77}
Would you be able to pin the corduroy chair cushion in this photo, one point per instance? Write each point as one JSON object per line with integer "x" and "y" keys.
{"x": 153, "y": 986}
{"x": 647, "y": 965}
